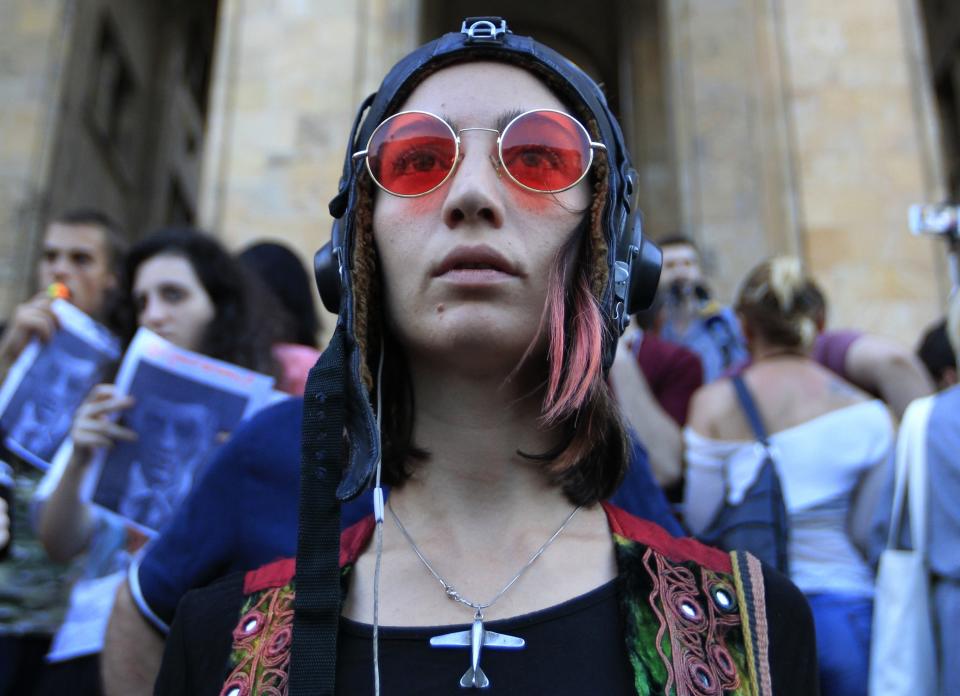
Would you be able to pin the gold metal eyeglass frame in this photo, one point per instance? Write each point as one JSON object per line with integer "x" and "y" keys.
{"x": 457, "y": 150}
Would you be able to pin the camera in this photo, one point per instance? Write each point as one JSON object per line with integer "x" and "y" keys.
{"x": 941, "y": 219}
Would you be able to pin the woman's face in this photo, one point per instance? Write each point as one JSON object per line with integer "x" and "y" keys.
{"x": 171, "y": 301}
{"x": 466, "y": 266}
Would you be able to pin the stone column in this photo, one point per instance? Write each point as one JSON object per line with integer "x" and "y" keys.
{"x": 860, "y": 104}
{"x": 805, "y": 127}
{"x": 288, "y": 78}
{"x": 738, "y": 193}
{"x": 33, "y": 46}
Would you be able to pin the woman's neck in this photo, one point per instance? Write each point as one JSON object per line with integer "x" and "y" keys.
{"x": 474, "y": 427}
{"x": 760, "y": 351}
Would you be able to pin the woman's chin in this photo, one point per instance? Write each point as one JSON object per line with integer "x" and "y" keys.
{"x": 474, "y": 347}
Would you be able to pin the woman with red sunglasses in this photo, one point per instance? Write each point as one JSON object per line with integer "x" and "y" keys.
{"x": 483, "y": 263}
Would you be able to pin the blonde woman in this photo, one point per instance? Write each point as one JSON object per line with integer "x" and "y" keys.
{"x": 826, "y": 438}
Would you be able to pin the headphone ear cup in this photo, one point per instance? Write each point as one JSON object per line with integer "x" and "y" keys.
{"x": 644, "y": 276}
{"x": 644, "y": 259}
{"x": 326, "y": 270}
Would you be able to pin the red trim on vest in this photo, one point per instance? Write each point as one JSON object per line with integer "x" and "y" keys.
{"x": 276, "y": 574}
{"x": 677, "y": 549}
{"x": 280, "y": 573}
{"x": 354, "y": 539}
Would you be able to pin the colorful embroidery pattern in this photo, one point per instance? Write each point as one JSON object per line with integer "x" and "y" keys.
{"x": 683, "y": 626}
{"x": 261, "y": 645}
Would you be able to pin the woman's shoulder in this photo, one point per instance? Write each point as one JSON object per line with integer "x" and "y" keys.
{"x": 281, "y": 572}
{"x": 759, "y": 620}
{"x": 629, "y": 529}
{"x": 710, "y": 405}
{"x": 201, "y": 638}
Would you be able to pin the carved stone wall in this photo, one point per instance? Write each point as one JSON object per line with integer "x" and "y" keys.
{"x": 759, "y": 126}
{"x": 32, "y": 49}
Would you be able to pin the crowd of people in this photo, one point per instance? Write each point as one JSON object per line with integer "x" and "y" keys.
{"x": 68, "y": 556}
{"x": 486, "y": 426}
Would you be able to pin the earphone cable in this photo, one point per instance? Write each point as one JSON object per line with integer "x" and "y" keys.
{"x": 378, "y": 517}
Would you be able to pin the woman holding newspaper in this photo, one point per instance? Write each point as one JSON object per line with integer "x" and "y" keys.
{"x": 483, "y": 263}
{"x": 184, "y": 286}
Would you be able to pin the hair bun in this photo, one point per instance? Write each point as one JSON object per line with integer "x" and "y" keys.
{"x": 786, "y": 280}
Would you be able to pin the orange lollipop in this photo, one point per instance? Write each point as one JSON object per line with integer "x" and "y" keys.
{"x": 58, "y": 291}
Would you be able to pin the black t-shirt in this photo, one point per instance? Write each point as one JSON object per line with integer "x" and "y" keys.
{"x": 580, "y": 641}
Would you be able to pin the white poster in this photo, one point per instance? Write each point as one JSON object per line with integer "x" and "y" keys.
{"x": 50, "y": 380}
{"x": 185, "y": 404}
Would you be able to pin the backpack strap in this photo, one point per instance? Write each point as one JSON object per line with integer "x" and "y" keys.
{"x": 751, "y": 411}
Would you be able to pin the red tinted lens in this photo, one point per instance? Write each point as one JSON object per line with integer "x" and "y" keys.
{"x": 545, "y": 150}
{"x": 411, "y": 153}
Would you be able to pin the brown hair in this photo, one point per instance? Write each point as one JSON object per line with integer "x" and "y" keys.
{"x": 590, "y": 463}
{"x": 779, "y": 303}
{"x": 953, "y": 324}
{"x": 114, "y": 241}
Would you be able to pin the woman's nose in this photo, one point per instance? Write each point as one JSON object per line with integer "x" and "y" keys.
{"x": 475, "y": 194}
{"x": 153, "y": 314}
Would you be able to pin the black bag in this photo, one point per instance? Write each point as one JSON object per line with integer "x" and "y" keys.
{"x": 758, "y": 523}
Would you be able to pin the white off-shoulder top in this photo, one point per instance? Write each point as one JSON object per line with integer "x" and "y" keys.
{"x": 820, "y": 462}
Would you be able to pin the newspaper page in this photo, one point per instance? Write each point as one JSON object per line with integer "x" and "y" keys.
{"x": 49, "y": 381}
{"x": 185, "y": 404}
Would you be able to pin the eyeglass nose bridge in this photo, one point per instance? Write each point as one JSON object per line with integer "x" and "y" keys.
{"x": 494, "y": 156}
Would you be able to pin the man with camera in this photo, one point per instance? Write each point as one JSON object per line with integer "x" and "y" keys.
{"x": 692, "y": 317}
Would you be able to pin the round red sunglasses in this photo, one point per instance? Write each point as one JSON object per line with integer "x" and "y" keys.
{"x": 413, "y": 152}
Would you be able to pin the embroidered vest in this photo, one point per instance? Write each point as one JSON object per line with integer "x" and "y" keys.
{"x": 694, "y": 617}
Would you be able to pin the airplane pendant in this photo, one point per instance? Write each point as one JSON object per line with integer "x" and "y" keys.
{"x": 476, "y": 639}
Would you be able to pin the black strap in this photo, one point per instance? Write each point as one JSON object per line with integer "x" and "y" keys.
{"x": 317, "y": 602}
{"x": 751, "y": 410}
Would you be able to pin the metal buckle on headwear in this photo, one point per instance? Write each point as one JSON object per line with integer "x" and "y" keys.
{"x": 484, "y": 29}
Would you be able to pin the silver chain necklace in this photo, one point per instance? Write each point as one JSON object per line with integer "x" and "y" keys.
{"x": 477, "y": 637}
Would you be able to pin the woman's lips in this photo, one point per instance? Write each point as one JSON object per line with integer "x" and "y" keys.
{"x": 475, "y": 276}
{"x": 475, "y": 265}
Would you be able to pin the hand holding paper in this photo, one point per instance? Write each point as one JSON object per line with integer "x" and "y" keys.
{"x": 94, "y": 426}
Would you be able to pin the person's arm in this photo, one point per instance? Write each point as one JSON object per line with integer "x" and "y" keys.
{"x": 886, "y": 368}
{"x": 132, "y": 650}
{"x": 65, "y": 521}
{"x": 684, "y": 375}
{"x": 703, "y": 489}
{"x": 31, "y": 319}
{"x": 4, "y": 523}
{"x": 657, "y": 431}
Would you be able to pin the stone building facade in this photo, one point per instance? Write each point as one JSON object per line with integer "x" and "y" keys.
{"x": 758, "y": 126}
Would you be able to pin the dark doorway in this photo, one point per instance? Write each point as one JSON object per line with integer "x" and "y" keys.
{"x": 133, "y": 111}
{"x": 621, "y": 44}
{"x": 942, "y": 22}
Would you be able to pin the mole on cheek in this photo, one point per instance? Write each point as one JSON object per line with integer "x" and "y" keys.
{"x": 440, "y": 308}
